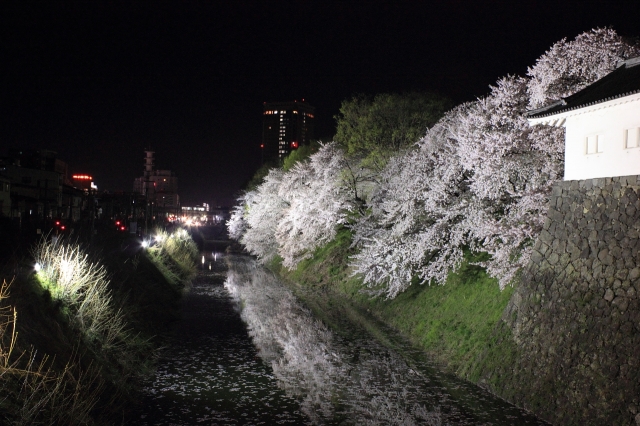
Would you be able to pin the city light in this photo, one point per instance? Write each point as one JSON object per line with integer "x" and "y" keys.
{"x": 37, "y": 267}
{"x": 82, "y": 177}
{"x": 145, "y": 244}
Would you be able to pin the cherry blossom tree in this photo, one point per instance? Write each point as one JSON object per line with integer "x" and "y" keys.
{"x": 417, "y": 221}
{"x": 480, "y": 179}
{"x": 510, "y": 175}
{"x": 237, "y": 225}
{"x": 317, "y": 204}
{"x": 264, "y": 208}
{"x": 569, "y": 66}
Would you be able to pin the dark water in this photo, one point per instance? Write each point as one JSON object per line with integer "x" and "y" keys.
{"x": 248, "y": 352}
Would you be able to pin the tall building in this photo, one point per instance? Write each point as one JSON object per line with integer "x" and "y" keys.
{"x": 160, "y": 187}
{"x": 285, "y": 127}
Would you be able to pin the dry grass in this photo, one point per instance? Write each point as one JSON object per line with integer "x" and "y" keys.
{"x": 175, "y": 255}
{"x": 32, "y": 391}
{"x": 83, "y": 288}
{"x": 69, "y": 276}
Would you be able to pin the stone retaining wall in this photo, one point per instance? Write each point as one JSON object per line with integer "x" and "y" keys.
{"x": 575, "y": 317}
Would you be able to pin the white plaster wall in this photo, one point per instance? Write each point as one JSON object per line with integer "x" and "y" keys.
{"x": 608, "y": 121}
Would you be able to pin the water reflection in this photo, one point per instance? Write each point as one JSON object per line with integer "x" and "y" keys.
{"x": 350, "y": 378}
{"x": 276, "y": 364}
{"x": 210, "y": 373}
{"x": 336, "y": 380}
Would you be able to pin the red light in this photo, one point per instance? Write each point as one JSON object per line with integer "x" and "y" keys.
{"x": 57, "y": 222}
{"x": 122, "y": 228}
{"x": 261, "y": 145}
{"x": 294, "y": 144}
{"x": 117, "y": 222}
{"x": 62, "y": 227}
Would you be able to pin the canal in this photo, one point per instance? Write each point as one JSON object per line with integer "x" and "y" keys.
{"x": 247, "y": 352}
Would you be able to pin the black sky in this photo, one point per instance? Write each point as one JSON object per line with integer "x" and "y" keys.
{"x": 97, "y": 81}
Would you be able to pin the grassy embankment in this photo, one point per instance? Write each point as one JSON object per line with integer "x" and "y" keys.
{"x": 77, "y": 336}
{"x": 455, "y": 323}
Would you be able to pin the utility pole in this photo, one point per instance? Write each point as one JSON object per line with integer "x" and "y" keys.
{"x": 148, "y": 187}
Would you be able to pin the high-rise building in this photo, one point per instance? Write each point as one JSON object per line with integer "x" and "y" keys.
{"x": 160, "y": 187}
{"x": 285, "y": 127}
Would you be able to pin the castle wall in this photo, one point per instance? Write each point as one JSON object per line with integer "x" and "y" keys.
{"x": 575, "y": 317}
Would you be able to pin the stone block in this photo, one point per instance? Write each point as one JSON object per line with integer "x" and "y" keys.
{"x": 609, "y": 271}
{"x": 631, "y": 292}
{"x": 546, "y": 237}
{"x": 605, "y": 257}
{"x": 621, "y": 302}
{"x": 588, "y": 184}
{"x": 536, "y": 257}
{"x": 614, "y": 249}
{"x": 608, "y": 295}
{"x": 622, "y": 274}
{"x": 543, "y": 248}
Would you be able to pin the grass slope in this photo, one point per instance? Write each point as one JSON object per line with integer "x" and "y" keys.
{"x": 51, "y": 370}
{"x": 453, "y": 323}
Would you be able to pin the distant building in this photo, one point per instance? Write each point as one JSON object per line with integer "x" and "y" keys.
{"x": 285, "y": 127}
{"x": 39, "y": 187}
{"x": 85, "y": 183}
{"x": 602, "y": 125}
{"x": 198, "y": 212}
{"x": 160, "y": 188}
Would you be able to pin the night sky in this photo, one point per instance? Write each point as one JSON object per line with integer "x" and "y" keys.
{"x": 98, "y": 81}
